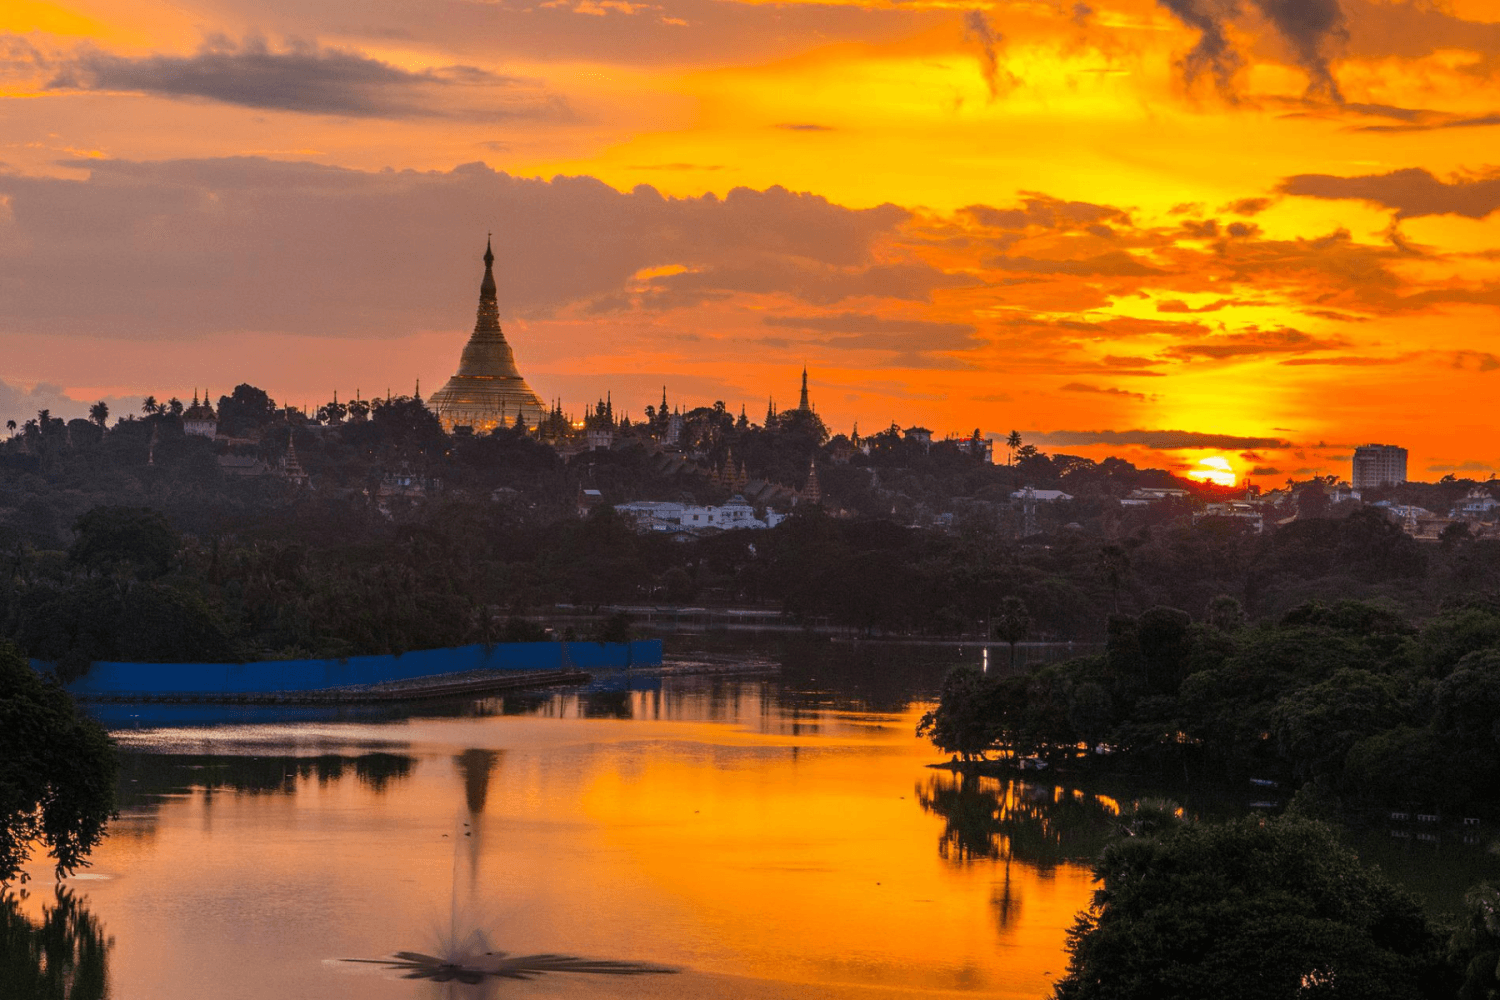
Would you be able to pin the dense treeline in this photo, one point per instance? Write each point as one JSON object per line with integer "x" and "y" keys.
{"x": 262, "y": 566}
{"x": 1347, "y": 701}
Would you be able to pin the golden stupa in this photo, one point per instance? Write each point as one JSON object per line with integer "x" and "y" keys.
{"x": 488, "y": 390}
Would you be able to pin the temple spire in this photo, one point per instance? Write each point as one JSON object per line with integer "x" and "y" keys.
{"x": 803, "y": 405}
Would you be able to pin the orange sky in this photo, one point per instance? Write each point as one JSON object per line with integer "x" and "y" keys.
{"x": 1162, "y": 229}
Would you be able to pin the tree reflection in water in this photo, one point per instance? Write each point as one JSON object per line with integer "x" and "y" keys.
{"x": 65, "y": 957}
{"x": 1014, "y": 821}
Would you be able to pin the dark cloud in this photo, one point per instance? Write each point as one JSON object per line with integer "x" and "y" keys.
{"x": 1347, "y": 360}
{"x": 1412, "y": 192}
{"x": 1116, "y": 263}
{"x": 1482, "y": 361}
{"x": 1160, "y": 440}
{"x": 1248, "y": 206}
{"x": 1264, "y": 470}
{"x": 1213, "y": 54}
{"x": 1252, "y": 343}
{"x": 805, "y": 127}
{"x": 1242, "y": 230}
{"x": 868, "y": 330}
{"x": 219, "y": 246}
{"x": 1104, "y": 391}
{"x": 1436, "y": 120}
{"x": 1122, "y": 361}
{"x": 21, "y": 404}
{"x": 1469, "y": 466}
{"x": 305, "y": 78}
{"x": 1310, "y": 27}
{"x": 978, "y": 30}
{"x": 1178, "y": 306}
{"x": 1042, "y": 211}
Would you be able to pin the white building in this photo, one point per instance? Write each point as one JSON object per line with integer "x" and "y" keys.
{"x": 1378, "y": 465}
{"x": 1041, "y": 496}
{"x": 737, "y": 514}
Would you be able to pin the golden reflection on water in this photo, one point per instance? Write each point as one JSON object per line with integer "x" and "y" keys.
{"x": 765, "y": 850}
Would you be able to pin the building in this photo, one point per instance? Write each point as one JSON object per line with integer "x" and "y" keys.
{"x": 1237, "y": 510}
{"x": 737, "y": 514}
{"x": 1378, "y": 465}
{"x": 200, "y": 419}
{"x": 488, "y": 390}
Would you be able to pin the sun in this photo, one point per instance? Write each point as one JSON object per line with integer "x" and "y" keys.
{"x": 1213, "y": 469}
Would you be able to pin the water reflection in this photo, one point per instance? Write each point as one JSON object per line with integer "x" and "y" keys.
{"x": 63, "y": 956}
{"x": 1042, "y": 825}
{"x": 146, "y": 778}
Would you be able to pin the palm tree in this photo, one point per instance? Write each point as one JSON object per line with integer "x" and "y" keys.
{"x": 10, "y": 425}
{"x": 99, "y": 413}
{"x": 174, "y": 406}
{"x": 148, "y": 405}
{"x": 1013, "y": 442}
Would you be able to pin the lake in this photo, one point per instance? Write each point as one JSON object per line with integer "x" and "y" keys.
{"x": 767, "y": 835}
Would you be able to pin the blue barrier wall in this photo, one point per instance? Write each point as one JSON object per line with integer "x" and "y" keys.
{"x": 115, "y": 679}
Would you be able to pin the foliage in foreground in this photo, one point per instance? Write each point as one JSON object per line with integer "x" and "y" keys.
{"x": 1253, "y": 909}
{"x": 57, "y": 772}
{"x": 1349, "y": 701}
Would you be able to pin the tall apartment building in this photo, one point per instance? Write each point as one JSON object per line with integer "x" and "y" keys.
{"x": 1378, "y": 465}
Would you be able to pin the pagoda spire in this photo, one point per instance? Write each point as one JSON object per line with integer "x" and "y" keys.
{"x": 803, "y": 405}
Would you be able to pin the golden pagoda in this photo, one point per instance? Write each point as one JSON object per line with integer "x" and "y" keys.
{"x": 488, "y": 391}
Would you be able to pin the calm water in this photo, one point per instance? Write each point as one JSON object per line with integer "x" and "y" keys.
{"x": 768, "y": 837}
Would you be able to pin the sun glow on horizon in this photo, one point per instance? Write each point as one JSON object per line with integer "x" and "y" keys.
{"x": 1213, "y": 469}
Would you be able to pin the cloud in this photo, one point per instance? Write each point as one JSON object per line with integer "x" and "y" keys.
{"x": 1213, "y": 54}
{"x": 864, "y": 330}
{"x": 1106, "y": 391}
{"x": 1412, "y": 192}
{"x": 19, "y": 403}
{"x": 246, "y": 244}
{"x": 1160, "y": 440}
{"x": 305, "y": 78}
{"x": 1352, "y": 361}
{"x": 1469, "y": 466}
{"x": 977, "y": 29}
{"x": 1254, "y": 342}
{"x": 1482, "y": 361}
{"x": 1310, "y": 27}
{"x": 805, "y": 127}
{"x": 1116, "y": 263}
{"x": 1264, "y": 470}
{"x": 1248, "y": 206}
{"x": 1178, "y": 306}
{"x": 1043, "y": 211}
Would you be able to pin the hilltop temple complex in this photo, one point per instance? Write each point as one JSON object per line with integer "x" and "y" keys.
{"x": 488, "y": 391}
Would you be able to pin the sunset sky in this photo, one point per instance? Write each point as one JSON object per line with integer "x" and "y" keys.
{"x": 1160, "y": 229}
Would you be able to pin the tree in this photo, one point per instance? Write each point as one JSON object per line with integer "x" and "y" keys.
{"x": 10, "y": 425}
{"x": 135, "y": 537}
{"x": 1012, "y": 624}
{"x": 246, "y": 408}
{"x": 57, "y": 772}
{"x": 1114, "y": 567}
{"x": 962, "y": 722}
{"x": 1250, "y": 909}
{"x": 99, "y": 413}
{"x": 174, "y": 406}
{"x": 149, "y": 406}
{"x": 1012, "y": 443}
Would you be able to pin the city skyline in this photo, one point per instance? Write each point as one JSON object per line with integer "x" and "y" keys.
{"x": 1167, "y": 232}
